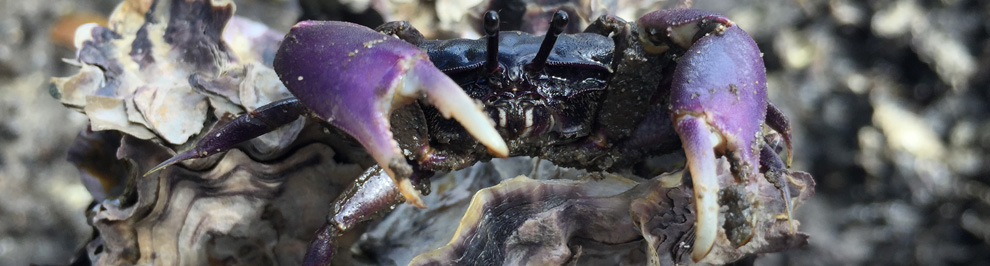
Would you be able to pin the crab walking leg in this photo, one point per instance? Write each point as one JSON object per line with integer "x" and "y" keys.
{"x": 778, "y": 122}
{"x": 697, "y": 141}
{"x": 354, "y": 77}
{"x": 774, "y": 171}
{"x": 369, "y": 197}
{"x": 322, "y": 247}
{"x": 243, "y": 128}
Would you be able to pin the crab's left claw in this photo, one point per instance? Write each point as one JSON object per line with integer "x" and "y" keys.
{"x": 353, "y": 77}
{"x": 718, "y": 100}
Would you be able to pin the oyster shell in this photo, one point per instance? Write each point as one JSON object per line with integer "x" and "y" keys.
{"x": 576, "y": 219}
{"x": 162, "y": 73}
{"x": 157, "y": 70}
{"x": 239, "y": 211}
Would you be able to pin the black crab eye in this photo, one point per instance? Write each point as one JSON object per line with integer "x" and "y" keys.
{"x": 491, "y": 26}
{"x": 557, "y": 24}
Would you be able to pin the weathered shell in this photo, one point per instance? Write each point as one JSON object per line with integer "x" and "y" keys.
{"x": 153, "y": 77}
{"x": 159, "y": 77}
{"x": 239, "y": 211}
{"x": 587, "y": 219}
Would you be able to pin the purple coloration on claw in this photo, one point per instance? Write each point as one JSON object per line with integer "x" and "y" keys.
{"x": 722, "y": 80}
{"x": 680, "y": 27}
{"x": 354, "y": 77}
{"x": 718, "y": 100}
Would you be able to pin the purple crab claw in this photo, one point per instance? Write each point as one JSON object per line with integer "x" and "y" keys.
{"x": 353, "y": 77}
{"x": 718, "y": 100}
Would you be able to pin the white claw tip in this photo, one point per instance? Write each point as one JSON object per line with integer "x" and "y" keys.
{"x": 499, "y": 149}
{"x": 411, "y": 194}
{"x": 699, "y": 253}
{"x": 452, "y": 101}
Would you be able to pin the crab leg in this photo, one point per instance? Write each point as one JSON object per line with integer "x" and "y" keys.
{"x": 354, "y": 77}
{"x": 773, "y": 169}
{"x": 718, "y": 102}
{"x": 364, "y": 200}
{"x": 778, "y": 122}
{"x": 243, "y": 128}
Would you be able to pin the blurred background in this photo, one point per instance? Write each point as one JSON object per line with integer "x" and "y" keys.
{"x": 889, "y": 101}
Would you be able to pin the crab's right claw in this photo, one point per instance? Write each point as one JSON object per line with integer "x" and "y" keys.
{"x": 354, "y": 77}
{"x": 718, "y": 103}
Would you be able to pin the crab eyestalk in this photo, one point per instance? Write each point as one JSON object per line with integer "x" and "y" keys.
{"x": 718, "y": 99}
{"x": 491, "y": 29}
{"x": 354, "y": 77}
{"x": 557, "y": 24}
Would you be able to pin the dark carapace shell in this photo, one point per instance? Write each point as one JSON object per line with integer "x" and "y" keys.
{"x": 557, "y": 102}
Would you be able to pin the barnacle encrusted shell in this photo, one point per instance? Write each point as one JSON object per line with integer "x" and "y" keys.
{"x": 160, "y": 66}
{"x": 151, "y": 82}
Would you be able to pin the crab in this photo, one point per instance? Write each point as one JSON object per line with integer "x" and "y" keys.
{"x": 601, "y": 100}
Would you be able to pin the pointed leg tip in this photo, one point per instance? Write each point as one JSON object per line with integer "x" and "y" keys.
{"x": 175, "y": 159}
{"x": 411, "y": 194}
{"x": 786, "y": 194}
{"x": 158, "y": 167}
{"x": 153, "y": 170}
